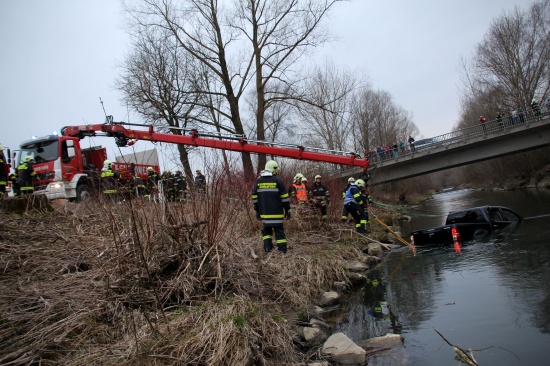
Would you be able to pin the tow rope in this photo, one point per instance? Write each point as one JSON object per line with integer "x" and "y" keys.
{"x": 403, "y": 241}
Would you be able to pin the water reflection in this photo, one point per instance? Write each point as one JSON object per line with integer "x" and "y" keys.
{"x": 493, "y": 293}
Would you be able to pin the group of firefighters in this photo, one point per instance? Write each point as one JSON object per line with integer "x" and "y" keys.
{"x": 21, "y": 180}
{"x": 172, "y": 186}
{"x": 272, "y": 203}
{"x": 318, "y": 195}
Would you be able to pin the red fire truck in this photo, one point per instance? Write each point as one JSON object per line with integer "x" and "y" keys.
{"x": 66, "y": 171}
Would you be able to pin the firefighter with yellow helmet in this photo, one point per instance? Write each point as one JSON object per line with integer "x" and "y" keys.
{"x": 355, "y": 202}
{"x": 298, "y": 191}
{"x": 26, "y": 175}
{"x": 109, "y": 181}
{"x": 272, "y": 206}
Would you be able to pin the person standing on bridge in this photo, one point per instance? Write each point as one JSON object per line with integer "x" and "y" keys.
{"x": 499, "y": 120}
{"x": 482, "y": 121}
{"x": 411, "y": 143}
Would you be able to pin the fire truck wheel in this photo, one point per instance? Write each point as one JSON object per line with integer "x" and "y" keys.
{"x": 83, "y": 193}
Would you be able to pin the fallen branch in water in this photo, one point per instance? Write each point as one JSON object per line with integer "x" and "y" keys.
{"x": 460, "y": 354}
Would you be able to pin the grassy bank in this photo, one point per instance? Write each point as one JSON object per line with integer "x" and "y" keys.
{"x": 143, "y": 283}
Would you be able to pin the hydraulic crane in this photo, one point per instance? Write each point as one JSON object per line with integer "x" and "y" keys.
{"x": 125, "y": 136}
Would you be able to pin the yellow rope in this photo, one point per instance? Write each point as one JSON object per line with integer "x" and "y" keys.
{"x": 393, "y": 232}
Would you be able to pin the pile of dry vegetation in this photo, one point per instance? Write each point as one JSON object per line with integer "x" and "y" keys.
{"x": 149, "y": 283}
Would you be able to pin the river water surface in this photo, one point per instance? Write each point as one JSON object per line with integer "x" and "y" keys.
{"x": 492, "y": 297}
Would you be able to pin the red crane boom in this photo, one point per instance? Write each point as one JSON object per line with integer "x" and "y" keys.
{"x": 124, "y": 137}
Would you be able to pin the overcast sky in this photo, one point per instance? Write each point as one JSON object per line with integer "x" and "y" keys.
{"x": 60, "y": 56}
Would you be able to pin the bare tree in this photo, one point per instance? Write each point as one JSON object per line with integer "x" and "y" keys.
{"x": 510, "y": 66}
{"x": 279, "y": 32}
{"x": 157, "y": 82}
{"x": 326, "y": 116}
{"x": 248, "y": 41}
{"x": 379, "y": 121}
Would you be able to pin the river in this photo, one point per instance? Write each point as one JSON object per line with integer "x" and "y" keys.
{"x": 492, "y": 297}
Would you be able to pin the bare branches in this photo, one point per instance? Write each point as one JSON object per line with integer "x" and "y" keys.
{"x": 510, "y": 66}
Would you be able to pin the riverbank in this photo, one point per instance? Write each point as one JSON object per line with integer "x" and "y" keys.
{"x": 141, "y": 283}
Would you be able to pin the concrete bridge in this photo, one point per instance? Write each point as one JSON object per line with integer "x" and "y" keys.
{"x": 491, "y": 140}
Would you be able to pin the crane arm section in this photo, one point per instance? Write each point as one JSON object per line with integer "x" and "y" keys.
{"x": 123, "y": 137}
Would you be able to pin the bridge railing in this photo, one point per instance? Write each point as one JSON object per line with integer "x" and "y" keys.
{"x": 505, "y": 123}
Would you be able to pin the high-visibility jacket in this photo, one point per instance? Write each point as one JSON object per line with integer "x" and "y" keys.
{"x": 354, "y": 194}
{"x": 270, "y": 199}
{"x": 299, "y": 191}
{"x": 26, "y": 174}
{"x": 109, "y": 181}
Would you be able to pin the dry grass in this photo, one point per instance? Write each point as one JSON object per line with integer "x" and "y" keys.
{"x": 151, "y": 283}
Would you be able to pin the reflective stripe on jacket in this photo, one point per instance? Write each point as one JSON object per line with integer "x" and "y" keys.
{"x": 270, "y": 199}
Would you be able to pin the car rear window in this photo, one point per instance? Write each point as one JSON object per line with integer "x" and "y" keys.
{"x": 468, "y": 216}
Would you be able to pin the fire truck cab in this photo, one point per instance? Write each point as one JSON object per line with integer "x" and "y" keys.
{"x": 65, "y": 170}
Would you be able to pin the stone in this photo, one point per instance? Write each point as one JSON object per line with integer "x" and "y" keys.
{"x": 316, "y": 323}
{"x": 329, "y": 298}
{"x": 314, "y": 335}
{"x": 390, "y": 340}
{"x": 374, "y": 249}
{"x": 343, "y": 350}
{"x": 356, "y": 266}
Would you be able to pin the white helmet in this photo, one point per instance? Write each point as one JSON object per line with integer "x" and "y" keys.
{"x": 360, "y": 183}
{"x": 351, "y": 180}
{"x": 317, "y": 177}
{"x": 107, "y": 164}
{"x": 298, "y": 176}
{"x": 28, "y": 159}
{"x": 272, "y": 166}
{"x": 304, "y": 179}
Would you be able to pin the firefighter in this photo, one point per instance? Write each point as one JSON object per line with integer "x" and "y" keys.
{"x": 15, "y": 188}
{"x": 181, "y": 186}
{"x": 152, "y": 183}
{"x": 345, "y": 212}
{"x": 304, "y": 180}
{"x": 298, "y": 190}
{"x": 167, "y": 181}
{"x": 355, "y": 203}
{"x": 320, "y": 196}
{"x": 200, "y": 182}
{"x": 4, "y": 170}
{"x": 109, "y": 181}
{"x": 26, "y": 174}
{"x": 272, "y": 206}
{"x": 140, "y": 190}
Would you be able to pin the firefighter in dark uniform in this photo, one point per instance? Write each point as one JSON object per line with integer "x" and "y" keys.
{"x": 320, "y": 196}
{"x": 25, "y": 176}
{"x": 4, "y": 170}
{"x": 15, "y": 184}
{"x": 167, "y": 181}
{"x": 109, "y": 181}
{"x": 140, "y": 189}
{"x": 345, "y": 212}
{"x": 355, "y": 203}
{"x": 200, "y": 182}
{"x": 152, "y": 183}
{"x": 181, "y": 186}
{"x": 272, "y": 206}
